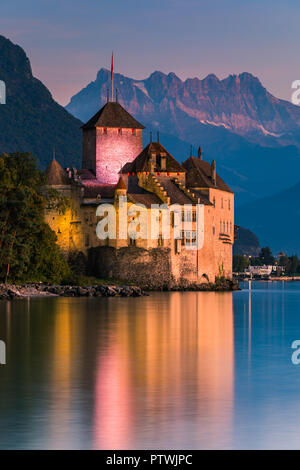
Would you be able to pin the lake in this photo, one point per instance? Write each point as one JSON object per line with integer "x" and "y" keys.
{"x": 186, "y": 370}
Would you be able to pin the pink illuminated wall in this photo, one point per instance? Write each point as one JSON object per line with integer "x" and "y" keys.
{"x": 107, "y": 150}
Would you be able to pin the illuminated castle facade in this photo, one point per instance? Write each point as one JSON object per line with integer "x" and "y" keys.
{"x": 114, "y": 164}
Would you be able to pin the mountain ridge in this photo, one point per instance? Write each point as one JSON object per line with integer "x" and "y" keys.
{"x": 163, "y": 102}
{"x": 239, "y": 103}
{"x": 31, "y": 121}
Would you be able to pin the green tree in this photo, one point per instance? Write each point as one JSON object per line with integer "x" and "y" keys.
{"x": 27, "y": 244}
{"x": 240, "y": 263}
{"x": 266, "y": 256}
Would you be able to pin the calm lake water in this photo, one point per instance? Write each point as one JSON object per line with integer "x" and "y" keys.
{"x": 172, "y": 370}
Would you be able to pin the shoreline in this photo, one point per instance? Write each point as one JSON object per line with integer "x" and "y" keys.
{"x": 31, "y": 290}
{"x": 269, "y": 279}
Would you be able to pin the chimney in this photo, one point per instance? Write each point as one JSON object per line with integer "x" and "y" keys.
{"x": 213, "y": 172}
{"x": 200, "y": 153}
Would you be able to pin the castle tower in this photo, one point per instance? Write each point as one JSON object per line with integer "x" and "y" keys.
{"x": 111, "y": 138}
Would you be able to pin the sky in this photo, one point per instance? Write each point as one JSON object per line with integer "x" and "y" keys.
{"x": 68, "y": 41}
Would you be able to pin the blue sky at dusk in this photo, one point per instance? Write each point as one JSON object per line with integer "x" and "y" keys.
{"x": 68, "y": 41}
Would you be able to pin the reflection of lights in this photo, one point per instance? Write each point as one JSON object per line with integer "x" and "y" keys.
{"x": 173, "y": 360}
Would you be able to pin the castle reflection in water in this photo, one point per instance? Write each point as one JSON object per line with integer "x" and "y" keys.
{"x": 153, "y": 372}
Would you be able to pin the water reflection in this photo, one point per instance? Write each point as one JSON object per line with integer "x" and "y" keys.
{"x": 172, "y": 370}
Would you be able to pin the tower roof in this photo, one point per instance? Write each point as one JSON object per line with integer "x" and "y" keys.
{"x": 113, "y": 115}
{"x": 199, "y": 175}
{"x": 142, "y": 161}
{"x": 121, "y": 184}
{"x": 56, "y": 175}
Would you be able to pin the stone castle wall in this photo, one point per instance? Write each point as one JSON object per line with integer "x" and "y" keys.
{"x": 147, "y": 268}
{"x": 107, "y": 150}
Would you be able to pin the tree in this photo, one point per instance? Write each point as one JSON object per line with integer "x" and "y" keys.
{"x": 240, "y": 263}
{"x": 27, "y": 244}
{"x": 266, "y": 256}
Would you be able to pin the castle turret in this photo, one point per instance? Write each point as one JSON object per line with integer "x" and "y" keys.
{"x": 120, "y": 189}
{"x": 111, "y": 138}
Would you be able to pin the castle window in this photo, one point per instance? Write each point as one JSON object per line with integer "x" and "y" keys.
{"x": 105, "y": 130}
{"x": 220, "y": 226}
{"x": 190, "y": 238}
{"x": 223, "y": 227}
{"x": 222, "y": 203}
{"x": 187, "y": 216}
{"x": 182, "y": 238}
{"x": 230, "y": 227}
{"x": 229, "y": 204}
{"x": 133, "y": 131}
{"x": 132, "y": 241}
{"x": 214, "y": 230}
{"x": 194, "y": 216}
{"x": 160, "y": 241}
{"x": 120, "y": 131}
{"x": 227, "y": 227}
{"x": 214, "y": 202}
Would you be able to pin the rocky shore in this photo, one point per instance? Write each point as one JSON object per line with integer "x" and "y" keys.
{"x": 10, "y": 292}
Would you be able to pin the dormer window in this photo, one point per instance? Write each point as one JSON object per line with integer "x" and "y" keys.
{"x": 153, "y": 162}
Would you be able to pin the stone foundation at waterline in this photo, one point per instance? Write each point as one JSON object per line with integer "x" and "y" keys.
{"x": 152, "y": 269}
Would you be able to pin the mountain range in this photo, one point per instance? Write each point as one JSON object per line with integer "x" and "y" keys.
{"x": 253, "y": 136}
{"x": 31, "y": 121}
{"x": 236, "y": 121}
{"x": 275, "y": 220}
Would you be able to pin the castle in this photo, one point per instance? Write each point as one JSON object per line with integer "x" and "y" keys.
{"x": 115, "y": 165}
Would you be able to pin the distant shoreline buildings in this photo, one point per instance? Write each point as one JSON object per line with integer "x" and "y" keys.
{"x": 115, "y": 165}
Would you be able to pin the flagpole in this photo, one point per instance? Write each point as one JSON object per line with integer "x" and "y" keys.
{"x": 112, "y": 76}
